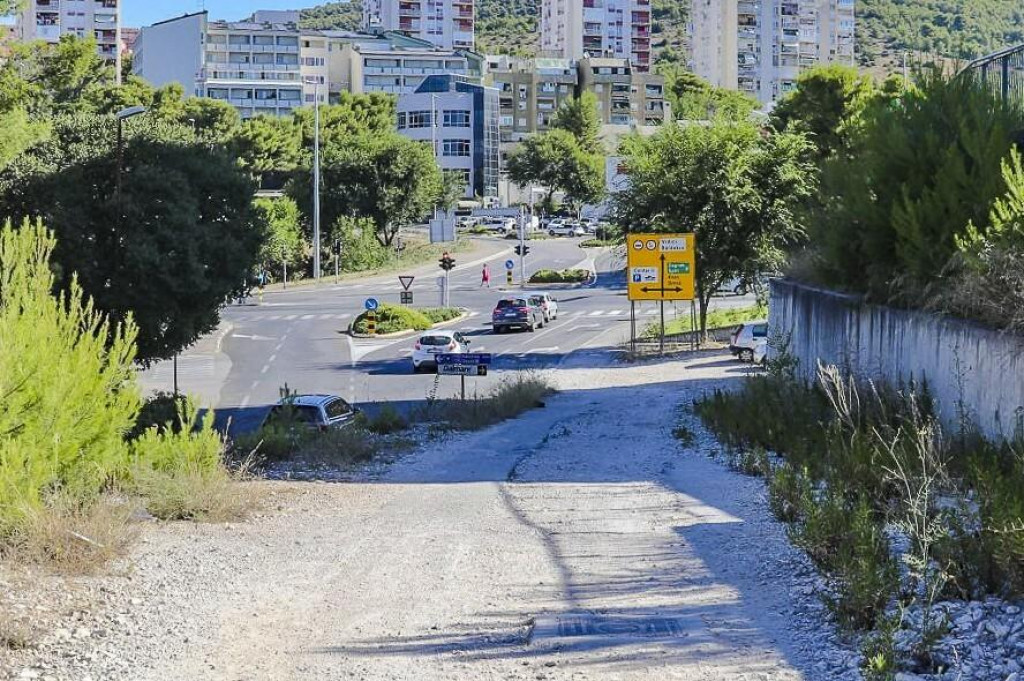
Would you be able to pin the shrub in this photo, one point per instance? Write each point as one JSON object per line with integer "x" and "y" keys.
{"x": 560, "y": 277}
{"x": 160, "y": 411}
{"x": 387, "y": 421}
{"x": 66, "y": 380}
{"x": 395, "y": 318}
{"x": 508, "y": 399}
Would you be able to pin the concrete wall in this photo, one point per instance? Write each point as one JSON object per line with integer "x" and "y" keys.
{"x": 958, "y": 359}
{"x": 171, "y": 52}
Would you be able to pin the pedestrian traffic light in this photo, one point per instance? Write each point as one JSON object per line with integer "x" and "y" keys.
{"x": 447, "y": 262}
{"x": 522, "y": 249}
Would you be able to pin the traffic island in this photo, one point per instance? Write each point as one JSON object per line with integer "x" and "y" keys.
{"x": 395, "y": 320}
{"x": 571, "y": 276}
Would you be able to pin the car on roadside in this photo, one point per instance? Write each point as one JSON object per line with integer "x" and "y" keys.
{"x": 434, "y": 342}
{"x": 498, "y": 224}
{"x": 745, "y": 337}
{"x": 316, "y": 411}
{"x": 514, "y": 312}
{"x": 468, "y": 221}
{"x": 590, "y": 225}
{"x": 565, "y": 228}
{"x": 547, "y": 303}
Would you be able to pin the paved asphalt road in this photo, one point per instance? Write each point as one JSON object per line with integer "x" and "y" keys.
{"x": 298, "y": 337}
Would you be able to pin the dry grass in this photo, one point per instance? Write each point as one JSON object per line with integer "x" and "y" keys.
{"x": 70, "y": 538}
{"x": 508, "y": 399}
{"x": 189, "y": 493}
{"x": 14, "y": 634}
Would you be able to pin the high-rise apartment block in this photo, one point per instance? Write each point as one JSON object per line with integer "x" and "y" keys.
{"x": 50, "y": 19}
{"x": 445, "y": 23}
{"x": 574, "y": 29}
{"x": 761, "y": 46}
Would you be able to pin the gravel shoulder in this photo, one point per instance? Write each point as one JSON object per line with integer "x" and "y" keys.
{"x": 581, "y": 541}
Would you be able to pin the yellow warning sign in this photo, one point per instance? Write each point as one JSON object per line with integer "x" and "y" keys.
{"x": 661, "y": 266}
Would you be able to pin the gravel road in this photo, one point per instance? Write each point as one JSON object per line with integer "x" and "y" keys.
{"x": 581, "y": 541}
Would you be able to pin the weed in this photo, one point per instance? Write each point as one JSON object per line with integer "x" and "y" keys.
{"x": 387, "y": 421}
{"x": 684, "y": 435}
{"x": 508, "y": 399}
{"x": 879, "y": 649}
{"x": 788, "y": 492}
{"x": 14, "y": 635}
{"x": 193, "y": 493}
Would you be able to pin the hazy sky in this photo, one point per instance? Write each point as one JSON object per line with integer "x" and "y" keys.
{"x": 143, "y": 12}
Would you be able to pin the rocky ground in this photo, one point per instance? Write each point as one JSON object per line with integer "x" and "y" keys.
{"x": 581, "y": 541}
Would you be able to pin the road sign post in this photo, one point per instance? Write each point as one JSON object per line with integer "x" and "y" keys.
{"x": 661, "y": 267}
{"x": 462, "y": 365}
{"x": 371, "y": 306}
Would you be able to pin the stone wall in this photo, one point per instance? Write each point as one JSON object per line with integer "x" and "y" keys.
{"x": 959, "y": 360}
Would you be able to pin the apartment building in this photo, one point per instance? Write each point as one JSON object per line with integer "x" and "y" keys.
{"x": 458, "y": 118}
{"x": 255, "y": 65}
{"x": 50, "y": 19}
{"x": 620, "y": 29}
{"x": 761, "y": 46}
{"x": 391, "y": 62}
{"x": 444, "y": 23}
{"x": 531, "y": 90}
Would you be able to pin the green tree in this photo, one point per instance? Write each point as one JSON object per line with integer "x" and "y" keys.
{"x": 727, "y": 182}
{"x": 52, "y": 78}
{"x": 212, "y": 119}
{"x": 555, "y": 160}
{"x": 20, "y": 132}
{"x": 693, "y": 98}
{"x": 67, "y": 383}
{"x": 385, "y": 177}
{"x": 911, "y": 179}
{"x": 169, "y": 103}
{"x": 283, "y": 247}
{"x": 826, "y": 105}
{"x": 178, "y": 242}
{"x": 268, "y": 145}
{"x": 579, "y": 117}
{"x": 110, "y": 98}
{"x": 350, "y": 114}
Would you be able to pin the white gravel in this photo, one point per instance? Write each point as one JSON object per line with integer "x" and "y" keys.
{"x": 477, "y": 557}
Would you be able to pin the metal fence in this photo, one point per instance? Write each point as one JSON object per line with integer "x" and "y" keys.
{"x": 1003, "y": 71}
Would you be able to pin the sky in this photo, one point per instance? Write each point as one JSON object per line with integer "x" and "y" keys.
{"x": 138, "y": 13}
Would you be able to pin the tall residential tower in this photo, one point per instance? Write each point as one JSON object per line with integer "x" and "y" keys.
{"x": 50, "y": 19}
{"x": 619, "y": 29}
{"x": 761, "y": 46}
{"x": 445, "y": 23}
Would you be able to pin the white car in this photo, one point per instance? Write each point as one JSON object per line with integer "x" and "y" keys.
{"x": 547, "y": 303}
{"x": 745, "y": 338}
{"x": 565, "y": 228}
{"x": 468, "y": 221}
{"x": 434, "y": 342}
{"x": 589, "y": 225}
{"x": 312, "y": 411}
{"x": 499, "y": 225}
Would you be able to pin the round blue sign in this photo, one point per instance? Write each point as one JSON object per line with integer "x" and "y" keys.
{"x": 510, "y": 265}
{"x": 371, "y": 304}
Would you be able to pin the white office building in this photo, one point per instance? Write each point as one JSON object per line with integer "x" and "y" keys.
{"x": 575, "y": 29}
{"x": 255, "y": 65}
{"x": 761, "y": 46}
{"x": 50, "y": 19}
{"x": 445, "y": 23}
{"x": 458, "y": 118}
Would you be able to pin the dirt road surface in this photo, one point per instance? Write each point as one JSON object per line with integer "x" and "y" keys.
{"x": 581, "y": 541}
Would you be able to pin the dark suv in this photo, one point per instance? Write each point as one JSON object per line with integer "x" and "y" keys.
{"x": 516, "y": 312}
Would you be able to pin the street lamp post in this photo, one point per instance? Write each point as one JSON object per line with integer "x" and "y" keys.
{"x": 316, "y": 179}
{"x": 122, "y": 116}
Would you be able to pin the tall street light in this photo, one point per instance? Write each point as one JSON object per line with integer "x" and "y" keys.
{"x": 122, "y": 116}
{"x": 315, "y": 81}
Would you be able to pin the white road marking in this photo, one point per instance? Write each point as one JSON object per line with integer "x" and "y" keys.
{"x": 255, "y": 338}
{"x": 584, "y": 326}
{"x": 272, "y": 358}
{"x": 307, "y": 317}
{"x": 290, "y": 317}
{"x": 405, "y": 353}
{"x": 616, "y": 313}
{"x": 253, "y": 386}
{"x": 265, "y": 369}
{"x": 245, "y": 401}
{"x": 596, "y": 313}
{"x": 553, "y": 348}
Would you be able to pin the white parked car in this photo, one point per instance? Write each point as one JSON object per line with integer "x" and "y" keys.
{"x": 499, "y": 225}
{"x": 761, "y": 351}
{"x": 565, "y": 228}
{"x": 745, "y": 338}
{"x": 547, "y": 303}
{"x": 312, "y": 411}
{"x": 468, "y": 221}
{"x": 589, "y": 225}
{"x": 435, "y": 342}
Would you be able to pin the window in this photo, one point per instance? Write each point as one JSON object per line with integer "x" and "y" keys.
{"x": 456, "y": 119}
{"x": 507, "y": 121}
{"x": 401, "y": 120}
{"x": 455, "y": 148}
{"x": 419, "y": 119}
{"x": 337, "y": 408}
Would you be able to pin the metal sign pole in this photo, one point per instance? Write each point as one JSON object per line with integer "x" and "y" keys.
{"x": 522, "y": 249}
{"x": 463, "y": 377}
{"x": 693, "y": 326}
{"x": 447, "y": 290}
{"x": 632, "y": 326}
{"x": 661, "y": 343}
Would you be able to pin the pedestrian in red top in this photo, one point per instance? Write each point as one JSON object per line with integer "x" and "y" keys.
{"x": 485, "y": 277}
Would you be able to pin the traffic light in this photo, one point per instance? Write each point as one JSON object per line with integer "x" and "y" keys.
{"x": 337, "y": 247}
{"x": 522, "y": 249}
{"x": 447, "y": 262}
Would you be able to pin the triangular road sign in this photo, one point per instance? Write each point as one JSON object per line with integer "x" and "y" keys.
{"x": 406, "y": 281}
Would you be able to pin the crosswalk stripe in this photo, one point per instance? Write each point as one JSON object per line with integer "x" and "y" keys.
{"x": 615, "y": 313}
{"x": 596, "y": 313}
{"x": 289, "y": 317}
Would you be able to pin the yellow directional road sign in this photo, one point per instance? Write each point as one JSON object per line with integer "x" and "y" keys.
{"x": 661, "y": 266}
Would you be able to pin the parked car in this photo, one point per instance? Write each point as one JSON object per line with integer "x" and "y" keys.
{"x": 499, "y": 224}
{"x": 760, "y": 351}
{"x": 515, "y": 312}
{"x": 547, "y": 304}
{"x": 468, "y": 221}
{"x": 745, "y": 338}
{"x": 565, "y": 228}
{"x": 312, "y": 411}
{"x": 589, "y": 225}
{"x": 432, "y": 343}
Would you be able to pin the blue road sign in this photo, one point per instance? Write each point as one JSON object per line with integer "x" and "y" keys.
{"x": 464, "y": 358}
{"x": 510, "y": 265}
{"x": 371, "y": 304}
